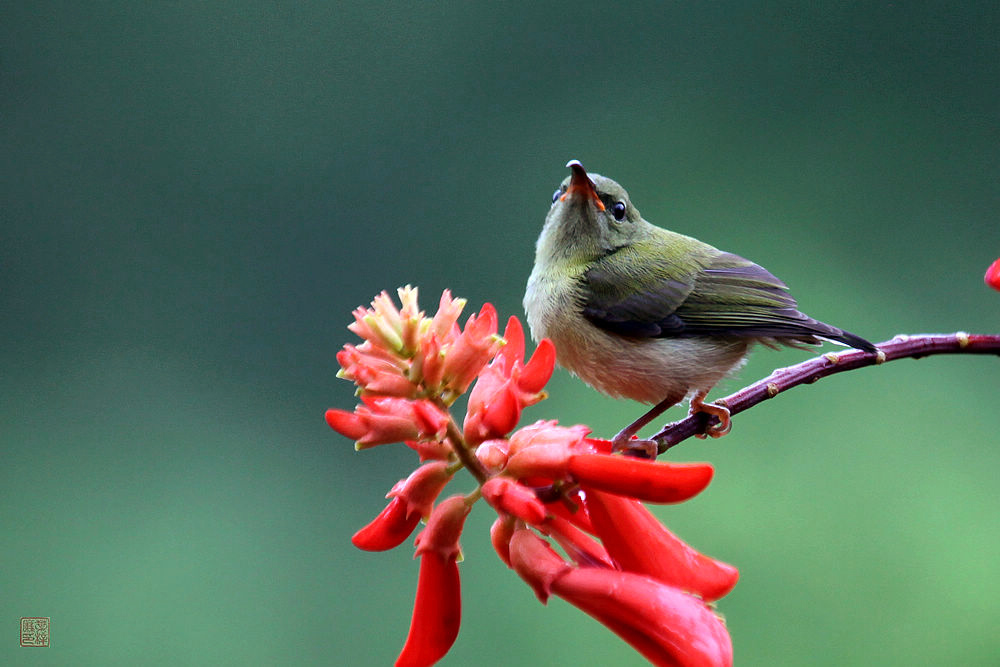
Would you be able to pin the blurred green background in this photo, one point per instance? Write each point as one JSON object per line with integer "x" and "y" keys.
{"x": 195, "y": 195}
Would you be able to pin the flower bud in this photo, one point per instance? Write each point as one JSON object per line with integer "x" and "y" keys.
{"x": 505, "y": 495}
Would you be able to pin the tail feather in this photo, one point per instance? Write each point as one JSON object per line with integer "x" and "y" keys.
{"x": 857, "y": 342}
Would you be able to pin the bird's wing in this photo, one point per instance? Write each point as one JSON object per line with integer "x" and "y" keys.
{"x": 718, "y": 294}
{"x": 624, "y": 294}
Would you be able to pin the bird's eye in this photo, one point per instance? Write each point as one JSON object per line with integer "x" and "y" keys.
{"x": 555, "y": 195}
{"x": 618, "y": 210}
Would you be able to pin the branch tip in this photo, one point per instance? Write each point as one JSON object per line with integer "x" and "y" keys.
{"x": 901, "y": 346}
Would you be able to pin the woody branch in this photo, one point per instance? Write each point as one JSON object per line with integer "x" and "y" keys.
{"x": 807, "y": 372}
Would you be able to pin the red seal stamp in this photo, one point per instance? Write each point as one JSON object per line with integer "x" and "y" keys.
{"x": 35, "y": 631}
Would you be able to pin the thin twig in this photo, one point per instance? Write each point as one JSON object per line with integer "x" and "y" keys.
{"x": 807, "y": 372}
{"x": 463, "y": 451}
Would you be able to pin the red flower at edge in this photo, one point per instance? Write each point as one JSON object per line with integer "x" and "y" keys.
{"x": 992, "y": 277}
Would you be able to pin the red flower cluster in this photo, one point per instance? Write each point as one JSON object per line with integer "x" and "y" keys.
{"x": 547, "y": 483}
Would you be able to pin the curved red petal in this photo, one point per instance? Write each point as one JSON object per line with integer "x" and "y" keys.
{"x": 639, "y": 543}
{"x": 500, "y": 533}
{"x": 513, "y": 349}
{"x": 437, "y": 612}
{"x": 652, "y": 481}
{"x": 346, "y": 423}
{"x": 537, "y": 372}
{"x": 578, "y": 545}
{"x": 992, "y": 277}
{"x": 666, "y": 625}
{"x": 388, "y": 530}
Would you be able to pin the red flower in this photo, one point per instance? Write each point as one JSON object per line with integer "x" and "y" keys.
{"x": 507, "y": 386}
{"x": 437, "y": 608}
{"x": 639, "y": 543}
{"x": 381, "y": 420}
{"x": 444, "y": 326}
{"x": 471, "y": 350}
{"x": 666, "y": 625}
{"x": 412, "y": 499}
{"x": 579, "y": 546}
{"x": 366, "y": 367}
{"x": 625, "y": 568}
{"x": 992, "y": 277}
{"x": 506, "y": 495}
{"x": 569, "y": 458}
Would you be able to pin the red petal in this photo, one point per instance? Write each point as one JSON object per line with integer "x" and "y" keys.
{"x": 505, "y": 495}
{"x": 535, "y": 562}
{"x": 578, "y": 545}
{"x": 651, "y": 481}
{"x": 393, "y": 525}
{"x": 538, "y": 370}
{"x": 437, "y": 609}
{"x": 513, "y": 350}
{"x": 346, "y": 423}
{"x": 437, "y": 612}
{"x": 640, "y": 543}
{"x": 500, "y": 533}
{"x": 573, "y": 510}
{"x": 667, "y": 626}
{"x": 992, "y": 277}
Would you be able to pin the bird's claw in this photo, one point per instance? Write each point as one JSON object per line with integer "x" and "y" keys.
{"x": 717, "y": 410}
{"x": 635, "y": 447}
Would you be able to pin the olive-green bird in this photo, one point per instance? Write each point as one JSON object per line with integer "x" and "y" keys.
{"x": 641, "y": 312}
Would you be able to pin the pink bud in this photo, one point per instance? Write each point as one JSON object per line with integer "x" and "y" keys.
{"x": 500, "y": 533}
{"x": 347, "y": 424}
{"x": 493, "y": 410}
{"x": 493, "y": 454}
{"x": 547, "y": 433}
{"x": 470, "y": 351}
{"x": 429, "y": 362}
{"x": 444, "y": 325}
{"x": 506, "y": 495}
{"x": 535, "y": 562}
{"x": 384, "y": 419}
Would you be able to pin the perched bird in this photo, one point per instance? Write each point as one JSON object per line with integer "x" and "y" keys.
{"x": 641, "y": 312}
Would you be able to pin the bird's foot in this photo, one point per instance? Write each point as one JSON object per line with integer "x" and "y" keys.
{"x": 626, "y": 440}
{"x": 630, "y": 445}
{"x": 717, "y": 410}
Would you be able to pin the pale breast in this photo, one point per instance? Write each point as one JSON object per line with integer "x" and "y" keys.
{"x": 643, "y": 369}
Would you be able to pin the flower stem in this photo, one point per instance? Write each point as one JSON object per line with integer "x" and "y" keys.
{"x": 807, "y": 372}
{"x": 462, "y": 449}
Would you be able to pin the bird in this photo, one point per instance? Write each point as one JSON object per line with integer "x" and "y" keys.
{"x": 640, "y": 312}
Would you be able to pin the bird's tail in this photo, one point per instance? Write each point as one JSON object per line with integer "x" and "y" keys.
{"x": 849, "y": 339}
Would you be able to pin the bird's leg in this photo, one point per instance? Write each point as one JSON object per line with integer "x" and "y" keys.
{"x": 623, "y": 442}
{"x": 720, "y": 411}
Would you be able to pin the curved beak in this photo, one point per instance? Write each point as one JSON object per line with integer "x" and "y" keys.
{"x": 580, "y": 183}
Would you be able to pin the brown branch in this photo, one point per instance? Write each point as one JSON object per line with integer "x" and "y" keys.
{"x": 807, "y": 372}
